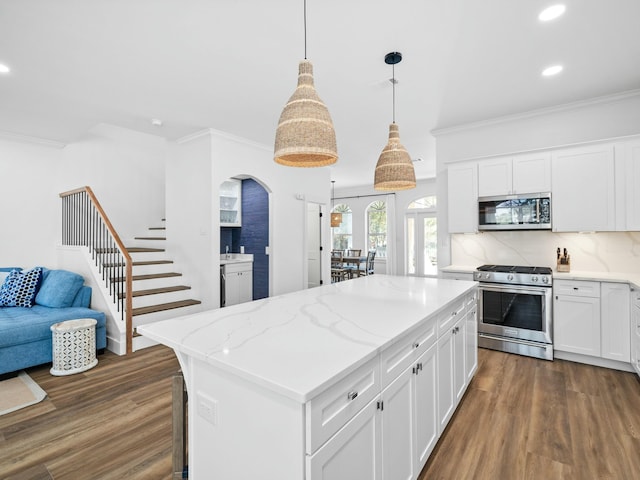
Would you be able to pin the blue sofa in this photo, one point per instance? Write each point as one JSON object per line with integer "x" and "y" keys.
{"x": 25, "y": 333}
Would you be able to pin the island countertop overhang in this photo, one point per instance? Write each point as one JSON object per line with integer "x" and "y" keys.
{"x": 298, "y": 343}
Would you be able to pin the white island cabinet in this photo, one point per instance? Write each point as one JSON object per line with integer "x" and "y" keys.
{"x": 330, "y": 383}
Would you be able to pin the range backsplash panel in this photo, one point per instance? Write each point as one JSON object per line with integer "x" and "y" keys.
{"x": 598, "y": 252}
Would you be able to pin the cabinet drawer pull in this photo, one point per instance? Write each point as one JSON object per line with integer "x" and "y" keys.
{"x": 352, "y": 395}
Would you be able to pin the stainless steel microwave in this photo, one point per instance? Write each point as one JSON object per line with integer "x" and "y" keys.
{"x": 515, "y": 212}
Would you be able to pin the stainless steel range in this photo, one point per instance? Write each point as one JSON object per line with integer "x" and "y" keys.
{"x": 514, "y": 309}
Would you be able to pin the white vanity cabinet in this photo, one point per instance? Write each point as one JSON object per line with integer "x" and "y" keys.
{"x": 238, "y": 283}
{"x": 520, "y": 174}
{"x": 462, "y": 198}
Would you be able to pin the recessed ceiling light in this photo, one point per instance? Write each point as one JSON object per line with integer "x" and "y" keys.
{"x": 4, "y": 68}
{"x": 549, "y": 13}
{"x": 554, "y": 70}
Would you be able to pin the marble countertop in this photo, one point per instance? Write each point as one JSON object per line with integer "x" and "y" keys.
{"x": 300, "y": 343}
{"x": 617, "y": 277}
{"x": 226, "y": 258}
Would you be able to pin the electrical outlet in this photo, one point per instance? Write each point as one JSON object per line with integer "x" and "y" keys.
{"x": 208, "y": 408}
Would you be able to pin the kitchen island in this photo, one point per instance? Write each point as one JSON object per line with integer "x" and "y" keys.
{"x": 326, "y": 383}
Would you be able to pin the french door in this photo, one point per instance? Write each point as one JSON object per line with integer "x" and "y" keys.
{"x": 422, "y": 244}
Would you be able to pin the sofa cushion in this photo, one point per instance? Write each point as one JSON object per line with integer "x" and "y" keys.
{"x": 59, "y": 288}
{"x": 20, "y": 287}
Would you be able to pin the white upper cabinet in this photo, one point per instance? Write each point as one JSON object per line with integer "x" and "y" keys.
{"x": 583, "y": 195}
{"x": 521, "y": 174}
{"x": 631, "y": 152}
{"x": 462, "y": 198}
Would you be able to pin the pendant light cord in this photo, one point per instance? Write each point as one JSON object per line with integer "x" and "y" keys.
{"x": 305, "y": 29}
{"x": 393, "y": 83}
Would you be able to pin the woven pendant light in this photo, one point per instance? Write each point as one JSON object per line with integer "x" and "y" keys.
{"x": 394, "y": 170}
{"x": 305, "y": 136}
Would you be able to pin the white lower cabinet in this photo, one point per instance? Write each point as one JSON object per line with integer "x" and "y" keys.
{"x": 592, "y": 318}
{"x": 359, "y": 439}
{"x": 422, "y": 379}
{"x": 397, "y": 412}
{"x": 635, "y": 330}
{"x": 576, "y": 326}
{"x": 425, "y": 406}
{"x": 452, "y": 377}
{"x": 615, "y": 321}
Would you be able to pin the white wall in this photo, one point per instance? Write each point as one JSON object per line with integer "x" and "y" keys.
{"x": 124, "y": 168}
{"x": 598, "y": 119}
{"x": 29, "y": 210}
{"x": 196, "y": 168}
{"x": 359, "y": 198}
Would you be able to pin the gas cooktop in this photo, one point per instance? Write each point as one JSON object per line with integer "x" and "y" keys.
{"x": 514, "y": 275}
{"x": 515, "y": 269}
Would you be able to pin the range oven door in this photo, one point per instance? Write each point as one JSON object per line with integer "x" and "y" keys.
{"x": 515, "y": 311}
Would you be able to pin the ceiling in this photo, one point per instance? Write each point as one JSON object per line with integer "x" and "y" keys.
{"x": 231, "y": 65}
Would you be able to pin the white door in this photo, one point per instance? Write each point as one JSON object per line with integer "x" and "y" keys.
{"x": 314, "y": 234}
{"x": 422, "y": 244}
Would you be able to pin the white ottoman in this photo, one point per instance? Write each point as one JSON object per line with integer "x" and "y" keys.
{"x": 74, "y": 346}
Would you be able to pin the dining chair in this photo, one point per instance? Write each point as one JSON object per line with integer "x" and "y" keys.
{"x": 369, "y": 265}
{"x": 353, "y": 269}
{"x": 338, "y": 272}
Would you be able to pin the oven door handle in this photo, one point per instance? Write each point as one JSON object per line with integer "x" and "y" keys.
{"x": 542, "y": 291}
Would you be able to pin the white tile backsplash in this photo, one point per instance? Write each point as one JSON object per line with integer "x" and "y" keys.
{"x": 599, "y": 252}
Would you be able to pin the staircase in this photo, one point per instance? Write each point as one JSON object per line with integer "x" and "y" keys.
{"x": 137, "y": 281}
{"x": 158, "y": 290}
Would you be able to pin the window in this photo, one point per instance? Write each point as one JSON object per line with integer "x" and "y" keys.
{"x": 377, "y": 228}
{"x": 422, "y": 237}
{"x": 342, "y": 235}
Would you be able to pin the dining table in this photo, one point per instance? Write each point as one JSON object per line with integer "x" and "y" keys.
{"x": 355, "y": 261}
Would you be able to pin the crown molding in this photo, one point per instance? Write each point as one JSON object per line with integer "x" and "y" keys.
{"x": 221, "y": 134}
{"x": 536, "y": 113}
{"x": 16, "y": 137}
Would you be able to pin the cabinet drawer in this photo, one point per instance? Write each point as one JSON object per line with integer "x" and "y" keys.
{"x": 238, "y": 267}
{"x": 577, "y": 288}
{"x": 450, "y": 314}
{"x": 396, "y": 358}
{"x": 333, "y": 408}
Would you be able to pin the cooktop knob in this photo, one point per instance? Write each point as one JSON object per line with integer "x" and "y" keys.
{"x": 545, "y": 280}
{"x": 487, "y": 275}
{"x": 534, "y": 279}
{"x": 510, "y": 277}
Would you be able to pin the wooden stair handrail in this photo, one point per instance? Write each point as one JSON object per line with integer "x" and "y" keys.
{"x": 125, "y": 254}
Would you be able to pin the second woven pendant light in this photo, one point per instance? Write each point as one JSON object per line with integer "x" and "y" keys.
{"x": 394, "y": 170}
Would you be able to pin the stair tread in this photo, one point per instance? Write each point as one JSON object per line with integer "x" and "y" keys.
{"x": 138, "y": 264}
{"x": 143, "y": 249}
{"x": 150, "y": 238}
{"x": 163, "y": 307}
{"x": 149, "y": 276}
{"x": 156, "y": 291}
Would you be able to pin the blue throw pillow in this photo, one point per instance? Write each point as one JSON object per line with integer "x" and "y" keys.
{"x": 59, "y": 288}
{"x": 20, "y": 287}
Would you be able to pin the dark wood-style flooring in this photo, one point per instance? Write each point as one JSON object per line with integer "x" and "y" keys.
{"x": 521, "y": 418}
